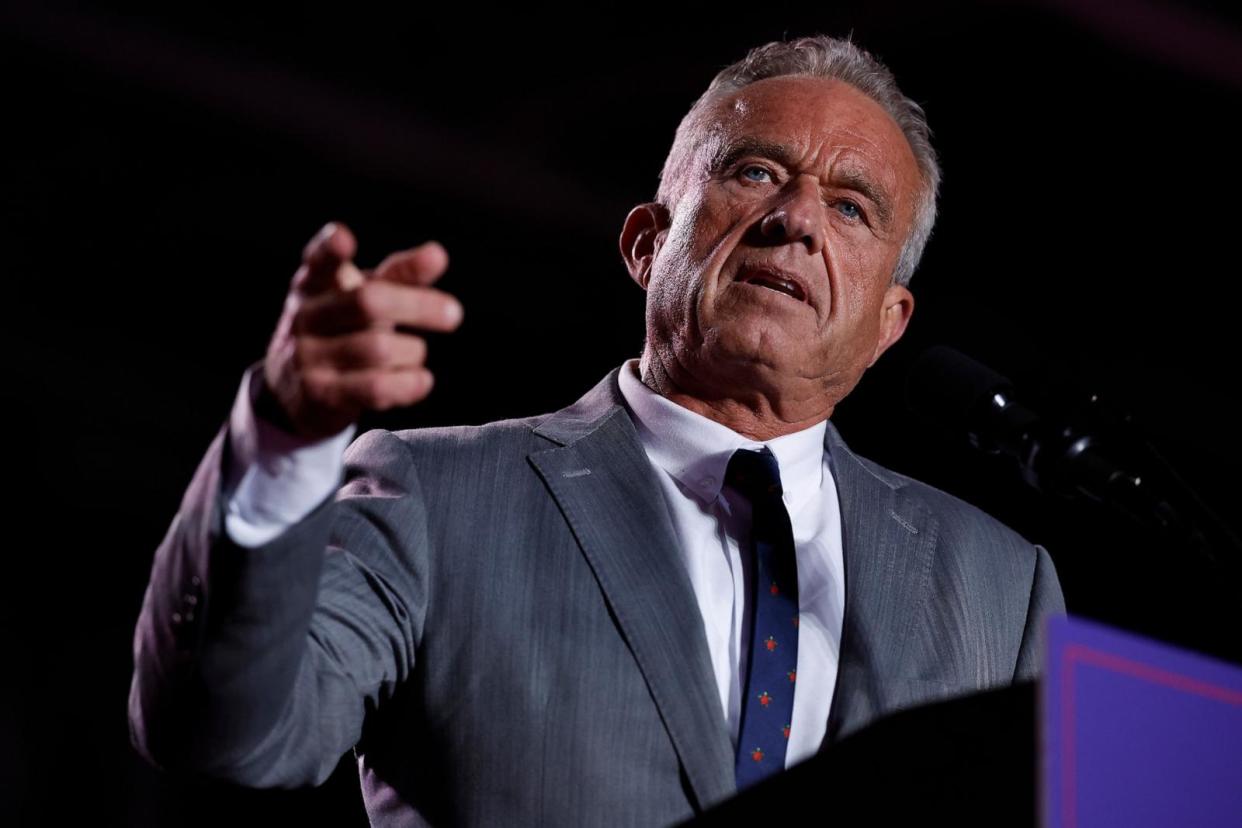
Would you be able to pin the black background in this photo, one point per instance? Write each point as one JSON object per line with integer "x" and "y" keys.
{"x": 164, "y": 168}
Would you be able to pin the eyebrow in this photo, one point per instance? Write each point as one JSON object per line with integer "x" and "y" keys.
{"x": 850, "y": 178}
{"x": 727, "y": 154}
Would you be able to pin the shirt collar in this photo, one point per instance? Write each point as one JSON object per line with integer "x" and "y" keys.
{"x": 696, "y": 450}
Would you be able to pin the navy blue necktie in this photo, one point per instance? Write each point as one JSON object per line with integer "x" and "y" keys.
{"x": 768, "y": 688}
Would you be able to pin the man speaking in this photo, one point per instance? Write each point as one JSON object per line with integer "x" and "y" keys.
{"x": 627, "y": 610}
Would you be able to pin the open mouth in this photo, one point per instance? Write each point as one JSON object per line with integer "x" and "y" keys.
{"x": 773, "y": 281}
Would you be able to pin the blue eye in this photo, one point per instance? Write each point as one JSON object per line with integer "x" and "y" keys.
{"x": 763, "y": 175}
{"x": 849, "y": 209}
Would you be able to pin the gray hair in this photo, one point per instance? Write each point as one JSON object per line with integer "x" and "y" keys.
{"x": 824, "y": 57}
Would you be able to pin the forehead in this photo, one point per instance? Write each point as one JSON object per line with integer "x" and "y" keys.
{"x": 822, "y": 119}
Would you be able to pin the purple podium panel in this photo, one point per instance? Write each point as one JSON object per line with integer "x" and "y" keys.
{"x": 1137, "y": 733}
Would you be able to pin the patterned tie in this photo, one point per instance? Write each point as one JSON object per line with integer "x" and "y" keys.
{"x": 767, "y": 700}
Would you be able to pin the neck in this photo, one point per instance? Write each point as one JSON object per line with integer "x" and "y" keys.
{"x": 757, "y": 415}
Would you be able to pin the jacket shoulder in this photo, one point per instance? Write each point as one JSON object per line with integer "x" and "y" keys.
{"x": 959, "y": 520}
{"x": 448, "y": 449}
{"x": 517, "y": 432}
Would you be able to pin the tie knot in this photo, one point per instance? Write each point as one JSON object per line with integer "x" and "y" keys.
{"x": 755, "y": 474}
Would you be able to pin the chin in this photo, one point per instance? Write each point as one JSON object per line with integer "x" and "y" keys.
{"x": 769, "y": 345}
{"x": 761, "y": 363}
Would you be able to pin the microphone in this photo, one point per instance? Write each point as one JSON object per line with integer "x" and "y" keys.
{"x": 1098, "y": 457}
{"x": 1055, "y": 454}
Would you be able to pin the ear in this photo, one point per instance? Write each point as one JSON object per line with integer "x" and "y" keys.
{"x": 895, "y": 312}
{"x": 642, "y": 236}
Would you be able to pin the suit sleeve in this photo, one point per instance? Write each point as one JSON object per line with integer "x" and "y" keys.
{"x": 277, "y": 477}
{"x": 257, "y": 665}
{"x": 1046, "y": 600}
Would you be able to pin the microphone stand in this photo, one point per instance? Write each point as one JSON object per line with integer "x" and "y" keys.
{"x": 1073, "y": 461}
{"x": 1095, "y": 455}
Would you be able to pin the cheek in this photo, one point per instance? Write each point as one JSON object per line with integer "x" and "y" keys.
{"x": 861, "y": 273}
{"x": 850, "y": 266}
{"x": 676, "y": 255}
{"x": 677, "y": 272}
{"x": 672, "y": 292}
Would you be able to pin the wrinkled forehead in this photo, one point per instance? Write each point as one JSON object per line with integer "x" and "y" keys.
{"x": 808, "y": 108}
{"x": 821, "y": 119}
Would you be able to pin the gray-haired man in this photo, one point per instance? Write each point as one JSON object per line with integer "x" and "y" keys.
{"x": 559, "y": 620}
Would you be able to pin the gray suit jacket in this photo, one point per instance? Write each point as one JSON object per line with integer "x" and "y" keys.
{"x": 497, "y": 620}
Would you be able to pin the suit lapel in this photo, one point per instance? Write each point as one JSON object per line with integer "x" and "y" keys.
{"x": 606, "y": 487}
{"x": 889, "y": 542}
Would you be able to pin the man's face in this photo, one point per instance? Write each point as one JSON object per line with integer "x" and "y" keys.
{"x": 774, "y": 272}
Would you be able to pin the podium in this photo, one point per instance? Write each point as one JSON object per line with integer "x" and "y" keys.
{"x": 1121, "y": 731}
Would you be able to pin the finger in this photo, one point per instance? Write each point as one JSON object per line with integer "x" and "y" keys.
{"x": 374, "y": 390}
{"x": 333, "y": 246}
{"x": 378, "y": 303}
{"x": 373, "y": 348}
{"x": 421, "y": 265}
{"x": 348, "y": 276}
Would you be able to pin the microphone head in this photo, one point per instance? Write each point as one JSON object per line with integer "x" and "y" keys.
{"x": 948, "y": 387}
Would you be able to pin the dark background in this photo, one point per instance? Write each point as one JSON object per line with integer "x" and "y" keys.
{"x": 164, "y": 168}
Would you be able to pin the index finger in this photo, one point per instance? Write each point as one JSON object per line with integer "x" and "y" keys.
{"x": 420, "y": 266}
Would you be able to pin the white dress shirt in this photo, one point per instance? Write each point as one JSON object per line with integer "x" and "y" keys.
{"x": 277, "y": 480}
{"x": 691, "y": 453}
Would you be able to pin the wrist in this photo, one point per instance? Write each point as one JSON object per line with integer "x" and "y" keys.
{"x": 267, "y": 406}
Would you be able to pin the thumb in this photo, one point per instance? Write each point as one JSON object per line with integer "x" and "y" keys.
{"x": 332, "y": 248}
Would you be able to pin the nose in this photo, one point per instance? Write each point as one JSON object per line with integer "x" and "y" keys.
{"x": 799, "y": 217}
